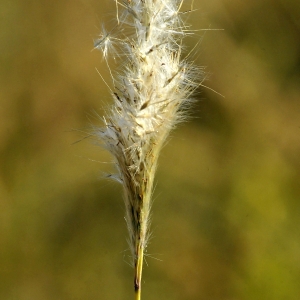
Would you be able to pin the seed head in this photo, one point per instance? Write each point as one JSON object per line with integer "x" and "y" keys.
{"x": 151, "y": 93}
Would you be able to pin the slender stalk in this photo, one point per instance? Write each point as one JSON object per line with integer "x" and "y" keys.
{"x": 151, "y": 93}
{"x": 138, "y": 274}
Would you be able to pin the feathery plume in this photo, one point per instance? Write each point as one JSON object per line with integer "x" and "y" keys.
{"x": 151, "y": 94}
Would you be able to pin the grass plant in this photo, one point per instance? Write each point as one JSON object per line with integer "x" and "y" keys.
{"x": 151, "y": 91}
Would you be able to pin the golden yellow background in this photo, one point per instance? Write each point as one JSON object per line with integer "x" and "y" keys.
{"x": 226, "y": 208}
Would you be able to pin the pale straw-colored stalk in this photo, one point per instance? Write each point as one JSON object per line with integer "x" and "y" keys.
{"x": 151, "y": 93}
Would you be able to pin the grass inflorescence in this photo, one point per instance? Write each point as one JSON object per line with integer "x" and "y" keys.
{"x": 151, "y": 93}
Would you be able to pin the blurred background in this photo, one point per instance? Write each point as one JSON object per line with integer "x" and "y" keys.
{"x": 226, "y": 205}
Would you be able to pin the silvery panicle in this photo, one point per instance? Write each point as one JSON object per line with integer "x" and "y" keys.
{"x": 151, "y": 93}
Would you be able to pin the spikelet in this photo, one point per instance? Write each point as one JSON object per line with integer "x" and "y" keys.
{"x": 151, "y": 94}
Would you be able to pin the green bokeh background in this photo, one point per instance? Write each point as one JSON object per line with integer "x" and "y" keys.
{"x": 226, "y": 208}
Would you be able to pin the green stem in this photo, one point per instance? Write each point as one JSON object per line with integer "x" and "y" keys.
{"x": 138, "y": 273}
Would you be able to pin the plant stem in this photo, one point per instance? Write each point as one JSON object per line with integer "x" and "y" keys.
{"x": 138, "y": 273}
